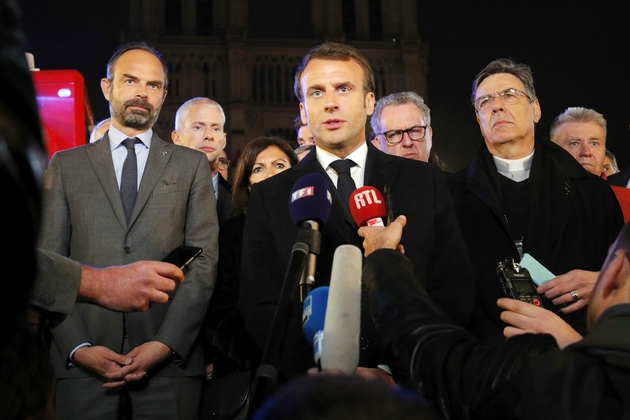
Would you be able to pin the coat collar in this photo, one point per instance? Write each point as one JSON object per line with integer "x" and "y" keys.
{"x": 100, "y": 156}
{"x": 380, "y": 171}
{"x": 551, "y": 189}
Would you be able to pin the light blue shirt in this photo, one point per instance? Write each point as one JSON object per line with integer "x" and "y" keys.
{"x": 119, "y": 152}
{"x": 215, "y": 185}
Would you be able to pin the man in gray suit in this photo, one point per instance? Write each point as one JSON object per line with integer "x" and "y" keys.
{"x": 152, "y": 357}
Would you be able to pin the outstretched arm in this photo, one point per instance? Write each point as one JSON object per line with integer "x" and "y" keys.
{"x": 61, "y": 282}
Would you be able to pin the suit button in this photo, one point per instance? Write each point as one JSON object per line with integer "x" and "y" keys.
{"x": 127, "y": 250}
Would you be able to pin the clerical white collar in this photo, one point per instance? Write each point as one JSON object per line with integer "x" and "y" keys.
{"x": 515, "y": 169}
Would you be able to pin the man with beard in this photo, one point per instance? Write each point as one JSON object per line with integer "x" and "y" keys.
{"x": 130, "y": 197}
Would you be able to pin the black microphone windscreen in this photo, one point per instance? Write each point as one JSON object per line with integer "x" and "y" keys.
{"x": 310, "y": 200}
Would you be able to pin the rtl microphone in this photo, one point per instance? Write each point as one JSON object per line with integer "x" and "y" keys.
{"x": 313, "y": 315}
{"x": 367, "y": 207}
{"x": 309, "y": 208}
{"x": 342, "y": 324}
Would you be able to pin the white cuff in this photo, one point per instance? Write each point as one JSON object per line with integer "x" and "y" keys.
{"x": 71, "y": 362}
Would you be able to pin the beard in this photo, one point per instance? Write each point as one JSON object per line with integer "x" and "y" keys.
{"x": 134, "y": 118}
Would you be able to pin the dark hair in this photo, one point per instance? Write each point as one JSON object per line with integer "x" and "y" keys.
{"x": 338, "y": 52}
{"x": 138, "y": 45}
{"x": 506, "y": 65}
{"x": 245, "y": 164}
{"x": 297, "y": 123}
{"x": 340, "y": 397}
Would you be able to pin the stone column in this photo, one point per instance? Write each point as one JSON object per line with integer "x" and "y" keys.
{"x": 189, "y": 17}
{"x": 362, "y": 10}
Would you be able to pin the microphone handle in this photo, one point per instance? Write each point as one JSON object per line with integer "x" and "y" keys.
{"x": 388, "y": 204}
{"x": 266, "y": 379}
{"x": 307, "y": 281}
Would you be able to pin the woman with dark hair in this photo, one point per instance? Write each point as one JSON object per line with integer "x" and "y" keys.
{"x": 230, "y": 350}
{"x": 252, "y": 168}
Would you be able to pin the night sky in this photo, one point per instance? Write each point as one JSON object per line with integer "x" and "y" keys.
{"x": 578, "y": 50}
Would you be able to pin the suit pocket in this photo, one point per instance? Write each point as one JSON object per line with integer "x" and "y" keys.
{"x": 167, "y": 189}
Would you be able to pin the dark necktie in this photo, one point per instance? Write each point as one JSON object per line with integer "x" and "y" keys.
{"x": 129, "y": 178}
{"x": 345, "y": 183}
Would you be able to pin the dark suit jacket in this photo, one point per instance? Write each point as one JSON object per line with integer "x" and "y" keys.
{"x": 233, "y": 348}
{"x": 225, "y": 208}
{"x": 466, "y": 379}
{"x": 574, "y": 217}
{"x": 620, "y": 179}
{"x": 84, "y": 220}
{"x": 431, "y": 239}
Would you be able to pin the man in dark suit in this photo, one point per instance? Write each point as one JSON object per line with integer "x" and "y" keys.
{"x": 199, "y": 124}
{"x": 620, "y": 179}
{"x": 521, "y": 195}
{"x": 335, "y": 87}
{"x": 152, "y": 357}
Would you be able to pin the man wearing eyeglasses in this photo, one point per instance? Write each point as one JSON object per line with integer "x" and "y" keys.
{"x": 402, "y": 125}
{"x": 199, "y": 124}
{"x": 522, "y": 195}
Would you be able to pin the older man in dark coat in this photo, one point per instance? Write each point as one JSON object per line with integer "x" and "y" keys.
{"x": 521, "y": 196}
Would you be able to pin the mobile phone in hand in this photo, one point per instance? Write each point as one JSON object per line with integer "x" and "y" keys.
{"x": 182, "y": 256}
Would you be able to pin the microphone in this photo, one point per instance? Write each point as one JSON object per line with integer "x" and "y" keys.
{"x": 313, "y": 315}
{"x": 309, "y": 208}
{"x": 367, "y": 206}
{"x": 342, "y": 325}
{"x": 310, "y": 200}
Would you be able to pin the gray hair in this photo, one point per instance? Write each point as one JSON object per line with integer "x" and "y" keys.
{"x": 304, "y": 148}
{"x": 577, "y": 114}
{"x": 399, "y": 98}
{"x": 506, "y": 65}
{"x": 185, "y": 108}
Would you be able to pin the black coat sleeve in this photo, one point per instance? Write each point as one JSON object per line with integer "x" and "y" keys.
{"x": 433, "y": 355}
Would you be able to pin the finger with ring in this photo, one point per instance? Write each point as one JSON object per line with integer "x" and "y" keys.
{"x": 574, "y": 295}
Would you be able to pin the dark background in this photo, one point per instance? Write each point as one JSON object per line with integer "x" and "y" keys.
{"x": 578, "y": 51}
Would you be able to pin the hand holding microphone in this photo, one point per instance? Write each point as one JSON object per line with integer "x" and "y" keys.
{"x": 383, "y": 237}
{"x": 368, "y": 210}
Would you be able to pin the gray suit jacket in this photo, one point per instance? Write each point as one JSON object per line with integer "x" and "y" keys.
{"x": 84, "y": 220}
{"x": 57, "y": 284}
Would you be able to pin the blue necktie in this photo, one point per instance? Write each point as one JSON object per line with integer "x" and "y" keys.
{"x": 129, "y": 178}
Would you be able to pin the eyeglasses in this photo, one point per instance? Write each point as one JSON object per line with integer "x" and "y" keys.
{"x": 508, "y": 96}
{"x": 395, "y": 136}
{"x": 223, "y": 163}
